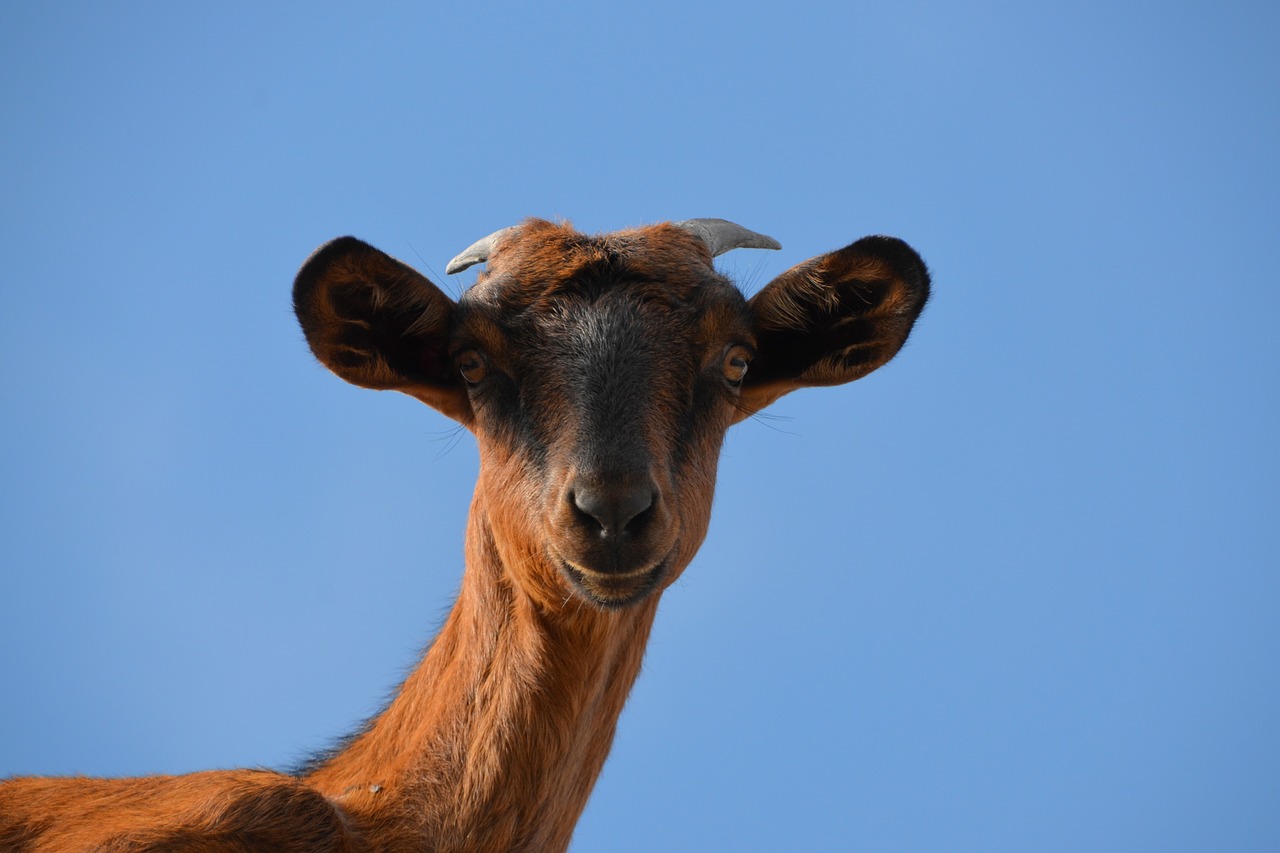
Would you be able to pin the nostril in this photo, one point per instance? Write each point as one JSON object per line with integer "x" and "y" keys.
{"x": 640, "y": 520}
{"x": 584, "y": 508}
{"x": 613, "y": 511}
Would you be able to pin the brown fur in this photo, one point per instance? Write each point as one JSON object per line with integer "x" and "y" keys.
{"x": 494, "y": 742}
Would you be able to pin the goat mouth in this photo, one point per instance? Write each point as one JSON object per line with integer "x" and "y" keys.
{"x": 615, "y": 591}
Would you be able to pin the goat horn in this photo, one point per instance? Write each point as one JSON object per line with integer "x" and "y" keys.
{"x": 477, "y": 252}
{"x": 721, "y": 235}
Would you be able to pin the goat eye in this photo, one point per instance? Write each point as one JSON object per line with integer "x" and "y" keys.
{"x": 736, "y": 360}
{"x": 472, "y": 366}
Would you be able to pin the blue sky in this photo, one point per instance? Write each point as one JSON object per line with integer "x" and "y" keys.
{"x": 1016, "y": 591}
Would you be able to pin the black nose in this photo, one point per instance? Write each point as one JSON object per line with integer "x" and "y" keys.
{"x": 613, "y": 510}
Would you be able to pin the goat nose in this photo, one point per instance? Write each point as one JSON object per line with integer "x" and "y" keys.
{"x": 614, "y": 509}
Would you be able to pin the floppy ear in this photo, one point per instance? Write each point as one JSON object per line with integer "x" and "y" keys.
{"x": 834, "y": 319}
{"x": 379, "y": 324}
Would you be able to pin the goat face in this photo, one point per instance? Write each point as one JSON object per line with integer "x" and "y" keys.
{"x": 599, "y": 375}
{"x": 598, "y": 382}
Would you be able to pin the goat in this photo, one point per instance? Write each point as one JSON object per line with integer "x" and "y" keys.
{"x": 599, "y": 375}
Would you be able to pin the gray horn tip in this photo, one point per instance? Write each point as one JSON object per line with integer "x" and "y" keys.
{"x": 460, "y": 263}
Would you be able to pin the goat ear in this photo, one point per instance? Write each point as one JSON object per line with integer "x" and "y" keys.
{"x": 379, "y": 324}
{"x": 834, "y": 319}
